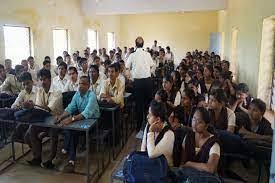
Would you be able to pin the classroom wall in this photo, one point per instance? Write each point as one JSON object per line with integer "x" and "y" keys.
{"x": 247, "y": 16}
{"x": 44, "y": 15}
{"x": 181, "y": 31}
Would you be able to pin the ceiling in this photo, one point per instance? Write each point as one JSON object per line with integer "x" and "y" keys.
{"x": 102, "y": 7}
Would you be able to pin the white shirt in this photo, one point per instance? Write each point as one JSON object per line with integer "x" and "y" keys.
{"x": 140, "y": 62}
{"x": 24, "y": 96}
{"x": 96, "y": 88}
{"x": 81, "y": 73}
{"x": 169, "y": 56}
{"x": 33, "y": 72}
{"x": 70, "y": 86}
{"x": 52, "y": 100}
{"x": 58, "y": 84}
{"x": 155, "y": 48}
{"x": 164, "y": 147}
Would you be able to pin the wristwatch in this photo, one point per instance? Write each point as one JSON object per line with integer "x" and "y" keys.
{"x": 73, "y": 119}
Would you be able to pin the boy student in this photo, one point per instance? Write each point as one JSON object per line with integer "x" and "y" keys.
{"x": 48, "y": 102}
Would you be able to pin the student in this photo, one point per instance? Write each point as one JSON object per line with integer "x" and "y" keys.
{"x": 225, "y": 68}
{"x": 201, "y": 151}
{"x": 22, "y": 102}
{"x": 83, "y": 106}
{"x": 72, "y": 84}
{"x": 176, "y": 80}
{"x": 28, "y": 94}
{"x": 208, "y": 77}
{"x": 48, "y": 102}
{"x": 96, "y": 80}
{"x": 84, "y": 67}
{"x": 174, "y": 96}
{"x": 222, "y": 118}
{"x": 187, "y": 105}
{"x": 8, "y": 67}
{"x": 241, "y": 101}
{"x": 59, "y": 59}
{"x": 158, "y": 139}
{"x": 255, "y": 126}
{"x": 60, "y": 81}
{"x": 100, "y": 67}
{"x": 112, "y": 90}
{"x": 33, "y": 68}
{"x": 25, "y": 64}
{"x": 12, "y": 85}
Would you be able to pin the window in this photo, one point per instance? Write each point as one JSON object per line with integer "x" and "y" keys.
{"x": 60, "y": 41}
{"x": 92, "y": 39}
{"x": 111, "y": 40}
{"x": 17, "y": 43}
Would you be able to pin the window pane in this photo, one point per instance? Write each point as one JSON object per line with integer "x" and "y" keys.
{"x": 111, "y": 40}
{"x": 17, "y": 43}
{"x": 92, "y": 39}
{"x": 60, "y": 41}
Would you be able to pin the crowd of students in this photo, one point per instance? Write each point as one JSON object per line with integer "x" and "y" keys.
{"x": 201, "y": 110}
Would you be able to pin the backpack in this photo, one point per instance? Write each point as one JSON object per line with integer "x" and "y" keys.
{"x": 139, "y": 168}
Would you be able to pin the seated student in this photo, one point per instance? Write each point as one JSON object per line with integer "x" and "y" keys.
{"x": 112, "y": 90}
{"x": 174, "y": 96}
{"x": 83, "y": 106}
{"x": 12, "y": 85}
{"x": 96, "y": 80}
{"x": 200, "y": 150}
{"x": 33, "y": 68}
{"x": 84, "y": 67}
{"x": 8, "y": 67}
{"x": 60, "y": 81}
{"x": 222, "y": 118}
{"x": 225, "y": 68}
{"x": 3, "y": 74}
{"x": 158, "y": 139}
{"x": 50, "y": 103}
{"x": 217, "y": 72}
{"x": 127, "y": 77}
{"x": 119, "y": 75}
{"x": 22, "y": 102}
{"x": 25, "y": 64}
{"x": 176, "y": 80}
{"x": 255, "y": 126}
{"x": 227, "y": 85}
{"x": 101, "y": 68}
{"x": 208, "y": 77}
{"x": 187, "y": 105}
{"x": 72, "y": 84}
{"x": 47, "y": 65}
{"x": 59, "y": 59}
{"x": 241, "y": 101}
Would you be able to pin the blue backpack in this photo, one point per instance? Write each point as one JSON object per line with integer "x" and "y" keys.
{"x": 139, "y": 168}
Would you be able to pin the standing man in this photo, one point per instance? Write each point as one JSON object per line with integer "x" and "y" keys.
{"x": 140, "y": 63}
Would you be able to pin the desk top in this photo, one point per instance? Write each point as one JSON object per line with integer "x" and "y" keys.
{"x": 82, "y": 125}
{"x": 49, "y": 122}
